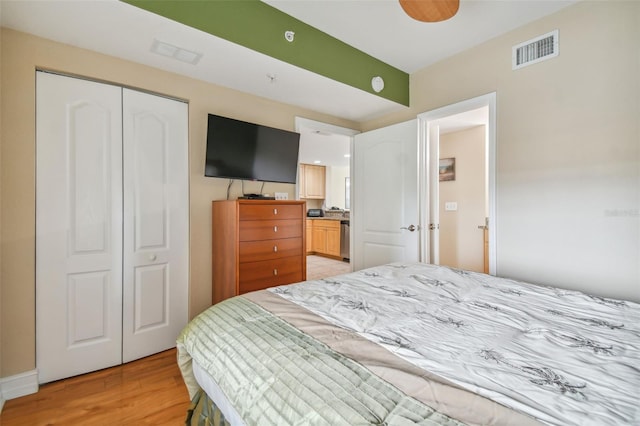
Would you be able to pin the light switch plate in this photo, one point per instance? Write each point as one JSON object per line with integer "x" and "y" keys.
{"x": 282, "y": 195}
{"x": 450, "y": 206}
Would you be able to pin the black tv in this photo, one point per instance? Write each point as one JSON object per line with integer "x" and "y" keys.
{"x": 246, "y": 151}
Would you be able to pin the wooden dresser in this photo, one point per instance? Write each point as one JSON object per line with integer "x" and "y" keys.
{"x": 257, "y": 244}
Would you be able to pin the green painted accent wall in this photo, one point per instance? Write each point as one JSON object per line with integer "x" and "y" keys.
{"x": 260, "y": 27}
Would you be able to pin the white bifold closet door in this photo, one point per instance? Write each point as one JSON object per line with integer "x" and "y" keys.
{"x": 111, "y": 225}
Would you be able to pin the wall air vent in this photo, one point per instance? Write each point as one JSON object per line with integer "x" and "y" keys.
{"x": 535, "y": 50}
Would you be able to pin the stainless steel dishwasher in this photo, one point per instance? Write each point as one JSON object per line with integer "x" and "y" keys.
{"x": 344, "y": 239}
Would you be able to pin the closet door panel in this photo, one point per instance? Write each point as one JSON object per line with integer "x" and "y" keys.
{"x": 151, "y": 292}
{"x": 78, "y": 226}
{"x": 156, "y": 244}
{"x": 87, "y": 314}
{"x": 149, "y": 172}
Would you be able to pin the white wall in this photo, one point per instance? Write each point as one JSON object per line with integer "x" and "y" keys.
{"x": 568, "y": 146}
{"x": 336, "y": 186}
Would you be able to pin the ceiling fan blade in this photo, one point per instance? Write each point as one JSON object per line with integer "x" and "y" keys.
{"x": 430, "y": 10}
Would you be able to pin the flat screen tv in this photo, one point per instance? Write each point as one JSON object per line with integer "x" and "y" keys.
{"x": 246, "y": 151}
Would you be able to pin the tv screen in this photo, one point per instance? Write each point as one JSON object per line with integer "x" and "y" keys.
{"x": 240, "y": 150}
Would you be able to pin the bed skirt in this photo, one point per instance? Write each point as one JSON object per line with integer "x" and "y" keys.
{"x": 203, "y": 412}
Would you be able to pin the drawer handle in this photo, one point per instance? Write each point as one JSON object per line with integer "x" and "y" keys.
{"x": 275, "y": 229}
{"x": 275, "y": 272}
{"x": 275, "y": 249}
{"x": 275, "y": 211}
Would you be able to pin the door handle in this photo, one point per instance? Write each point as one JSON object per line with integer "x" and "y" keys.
{"x": 411, "y": 228}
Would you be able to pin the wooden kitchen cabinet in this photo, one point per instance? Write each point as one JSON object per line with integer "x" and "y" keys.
{"x": 319, "y": 239}
{"x": 333, "y": 238}
{"x": 312, "y": 181}
{"x": 257, "y": 244}
{"x": 326, "y": 237}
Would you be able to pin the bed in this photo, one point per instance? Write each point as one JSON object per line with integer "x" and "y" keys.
{"x": 414, "y": 343}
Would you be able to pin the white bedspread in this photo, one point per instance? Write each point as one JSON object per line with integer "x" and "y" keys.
{"x": 561, "y": 356}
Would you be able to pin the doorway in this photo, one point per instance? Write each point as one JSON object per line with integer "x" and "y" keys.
{"x": 327, "y": 147}
{"x": 457, "y": 212}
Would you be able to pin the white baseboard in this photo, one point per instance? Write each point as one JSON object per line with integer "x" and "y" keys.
{"x": 19, "y": 385}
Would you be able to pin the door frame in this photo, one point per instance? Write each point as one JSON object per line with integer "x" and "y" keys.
{"x": 425, "y": 121}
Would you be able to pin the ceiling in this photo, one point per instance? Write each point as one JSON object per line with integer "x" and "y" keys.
{"x": 390, "y": 35}
{"x": 464, "y": 120}
{"x": 325, "y": 149}
{"x": 386, "y": 33}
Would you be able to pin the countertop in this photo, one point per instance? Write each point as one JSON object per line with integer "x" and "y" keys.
{"x": 328, "y": 218}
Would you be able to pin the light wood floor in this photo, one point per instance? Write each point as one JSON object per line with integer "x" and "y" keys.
{"x": 149, "y": 391}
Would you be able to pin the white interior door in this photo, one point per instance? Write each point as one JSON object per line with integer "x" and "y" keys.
{"x": 385, "y": 205}
{"x": 156, "y": 223}
{"x": 78, "y": 226}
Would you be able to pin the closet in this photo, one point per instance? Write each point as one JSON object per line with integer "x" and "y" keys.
{"x": 112, "y": 223}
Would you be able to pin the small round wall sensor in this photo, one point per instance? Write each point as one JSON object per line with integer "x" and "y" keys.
{"x": 377, "y": 84}
{"x": 289, "y": 35}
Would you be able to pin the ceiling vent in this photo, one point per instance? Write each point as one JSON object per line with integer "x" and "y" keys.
{"x": 535, "y": 50}
{"x": 175, "y": 52}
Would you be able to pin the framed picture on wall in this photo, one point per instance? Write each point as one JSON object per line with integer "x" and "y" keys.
{"x": 447, "y": 169}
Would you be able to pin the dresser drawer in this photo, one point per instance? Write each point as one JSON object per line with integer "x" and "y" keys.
{"x": 269, "y": 273}
{"x": 253, "y": 251}
{"x": 254, "y": 230}
{"x": 270, "y": 211}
